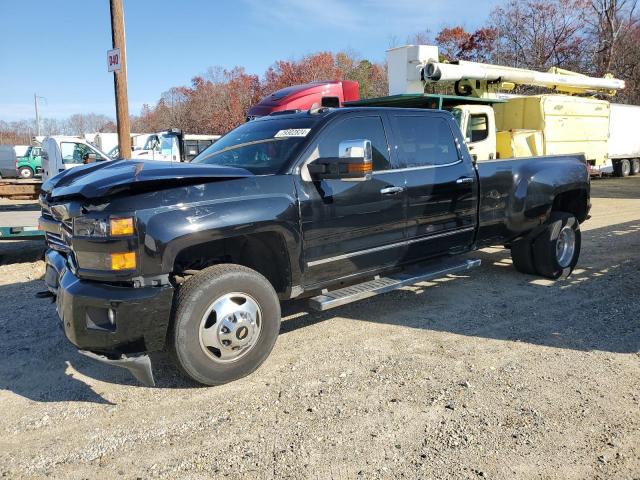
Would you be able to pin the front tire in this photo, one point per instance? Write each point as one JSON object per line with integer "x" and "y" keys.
{"x": 226, "y": 321}
{"x": 522, "y": 256}
{"x": 557, "y": 248}
{"x": 25, "y": 172}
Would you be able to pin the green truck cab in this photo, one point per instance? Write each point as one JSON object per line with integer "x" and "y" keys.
{"x": 30, "y": 164}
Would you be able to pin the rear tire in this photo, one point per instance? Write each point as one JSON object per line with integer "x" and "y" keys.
{"x": 635, "y": 166}
{"x": 25, "y": 172}
{"x": 557, "y": 249}
{"x": 622, "y": 168}
{"x": 522, "y": 256}
{"x": 225, "y": 323}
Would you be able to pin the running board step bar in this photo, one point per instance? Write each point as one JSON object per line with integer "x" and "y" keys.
{"x": 353, "y": 293}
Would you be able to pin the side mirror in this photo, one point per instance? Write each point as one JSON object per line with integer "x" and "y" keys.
{"x": 354, "y": 163}
{"x": 90, "y": 158}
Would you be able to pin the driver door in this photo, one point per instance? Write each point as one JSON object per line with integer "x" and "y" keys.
{"x": 351, "y": 227}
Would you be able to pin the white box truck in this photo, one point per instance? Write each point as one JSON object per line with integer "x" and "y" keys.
{"x": 60, "y": 153}
{"x": 624, "y": 139}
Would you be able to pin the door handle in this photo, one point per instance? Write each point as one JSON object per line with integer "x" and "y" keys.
{"x": 465, "y": 180}
{"x": 391, "y": 190}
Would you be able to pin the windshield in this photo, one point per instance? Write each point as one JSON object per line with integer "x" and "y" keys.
{"x": 261, "y": 146}
{"x": 457, "y": 116}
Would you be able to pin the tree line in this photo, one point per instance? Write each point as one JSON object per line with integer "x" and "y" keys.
{"x": 20, "y": 132}
{"x": 593, "y": 37}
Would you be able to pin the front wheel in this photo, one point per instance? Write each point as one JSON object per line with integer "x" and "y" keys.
{"x": 557, "y": 248}
{"x": 25, "y": 172}
{"x": 226, "y": 322}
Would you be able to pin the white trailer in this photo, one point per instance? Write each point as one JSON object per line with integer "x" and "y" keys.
{"x": 624, "y": 139}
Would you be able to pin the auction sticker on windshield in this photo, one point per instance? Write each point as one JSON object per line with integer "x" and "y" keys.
{"x": 292, "y": 132}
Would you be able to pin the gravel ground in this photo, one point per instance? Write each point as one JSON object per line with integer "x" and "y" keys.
{"x": 493, "y": 374}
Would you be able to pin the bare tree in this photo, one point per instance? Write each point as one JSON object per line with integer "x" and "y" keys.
{"x": 611, "y": 25}
{"x": 536, "y": 34}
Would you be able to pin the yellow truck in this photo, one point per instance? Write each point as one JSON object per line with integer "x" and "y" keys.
{"x": 554, "y": 124}
{"x": 498, "y": 125}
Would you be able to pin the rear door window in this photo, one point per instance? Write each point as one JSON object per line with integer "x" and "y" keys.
{"x": 423, "y": 141}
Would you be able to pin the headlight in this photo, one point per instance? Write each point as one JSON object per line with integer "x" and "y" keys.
{"x": 101, "y": 228}
{"x": 121, "y": 226}
{"x": 90, "y": 227}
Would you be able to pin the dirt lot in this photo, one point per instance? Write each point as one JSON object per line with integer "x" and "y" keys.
{"x": 488, "y": 375}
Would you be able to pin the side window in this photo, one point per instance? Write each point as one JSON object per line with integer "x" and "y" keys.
{"x": 202, "y": 144}
{"x": 356, "y": 128}
{"x": 152, "y": 143}
{"x": 478, "y": 127}
{"x": 169, "y": 147}
{"x": 73, "y": 152}
{"x": 424, "y": 141}
{"x": 191, "y": 148}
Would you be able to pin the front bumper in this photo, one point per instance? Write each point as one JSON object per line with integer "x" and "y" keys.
{"x": 141, "y": 315}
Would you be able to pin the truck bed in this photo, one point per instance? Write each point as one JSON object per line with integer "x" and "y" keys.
{"x": 515, "y": 192}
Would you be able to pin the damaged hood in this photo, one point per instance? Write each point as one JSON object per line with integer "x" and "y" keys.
{"x": 110, "y": 177}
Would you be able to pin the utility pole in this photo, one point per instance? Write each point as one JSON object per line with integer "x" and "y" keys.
{"x": 120, "y": 79}
{"x": 35, "y": 101}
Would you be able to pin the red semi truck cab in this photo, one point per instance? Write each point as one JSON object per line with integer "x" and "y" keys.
{"x": 304, "y": 97}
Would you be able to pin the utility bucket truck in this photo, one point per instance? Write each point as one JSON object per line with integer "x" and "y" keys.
{"x": 496, "y": 125}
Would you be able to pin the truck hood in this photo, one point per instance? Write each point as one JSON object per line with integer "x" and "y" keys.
{"x": 110, "y": 177}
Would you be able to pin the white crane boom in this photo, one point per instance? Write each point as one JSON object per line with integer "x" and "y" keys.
{"x": 413, "y": 66}
{"x": 463, "y": 70}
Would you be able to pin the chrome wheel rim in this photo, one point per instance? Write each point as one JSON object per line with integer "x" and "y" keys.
{"x": 565, "y": 246}
{"x": 230, "y": 327}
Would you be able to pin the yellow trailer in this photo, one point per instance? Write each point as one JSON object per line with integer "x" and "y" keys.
{"x": 566, "y": 124}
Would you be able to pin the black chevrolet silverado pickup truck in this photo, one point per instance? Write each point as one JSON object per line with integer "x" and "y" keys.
{"x": 332, "y": 205}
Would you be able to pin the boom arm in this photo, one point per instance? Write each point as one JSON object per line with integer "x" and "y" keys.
{"x": 412, "y": 67}
{"x": 560, "y": 80}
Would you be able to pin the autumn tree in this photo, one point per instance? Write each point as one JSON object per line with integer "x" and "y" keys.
{"x": 455, "y": 43}
{"x": 310, "y": 68}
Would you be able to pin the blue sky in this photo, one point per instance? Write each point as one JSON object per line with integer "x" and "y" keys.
{"x": 57, "y": 48}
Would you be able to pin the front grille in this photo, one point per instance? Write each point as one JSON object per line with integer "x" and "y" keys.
{"x": 57, "y": 241}
{"x": 68, "y": 226}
